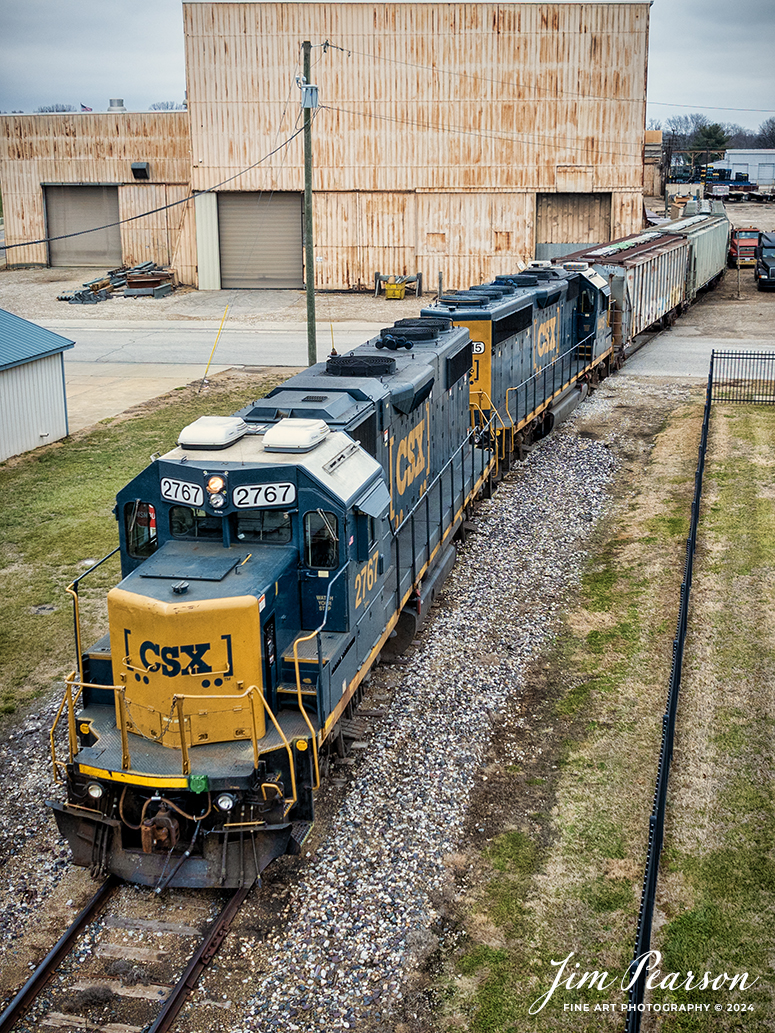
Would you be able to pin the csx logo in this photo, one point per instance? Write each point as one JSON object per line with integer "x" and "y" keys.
{"x": 410, "y": 458}
{"x": 175, "y": 660}
{"x": 546, "y": 342}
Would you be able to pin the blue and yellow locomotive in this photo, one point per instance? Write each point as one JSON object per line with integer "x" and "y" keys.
{"x": 271, "y": 556}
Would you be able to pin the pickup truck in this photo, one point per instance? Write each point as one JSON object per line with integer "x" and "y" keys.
{"x": 742, "y": 245}
{"x": 764, "y": 273}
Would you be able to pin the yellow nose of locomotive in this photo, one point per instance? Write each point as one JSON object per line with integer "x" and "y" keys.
{"x": 188, "y": 662}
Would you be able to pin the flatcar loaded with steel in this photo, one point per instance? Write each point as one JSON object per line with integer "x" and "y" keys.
{"x": 271, "y": 556}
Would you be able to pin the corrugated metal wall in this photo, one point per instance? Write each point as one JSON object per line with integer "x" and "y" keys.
{"x": 32, "y": 406}
{"x": 94, "y": 148}
{"x": 438, "y": 125}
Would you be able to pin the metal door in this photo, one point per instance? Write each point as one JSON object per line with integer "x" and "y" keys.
{"x": 260, "y": 240}
{"x": 72, "y": 209}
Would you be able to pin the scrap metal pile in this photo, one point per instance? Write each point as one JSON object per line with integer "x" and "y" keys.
{"x": 144, "y": 280}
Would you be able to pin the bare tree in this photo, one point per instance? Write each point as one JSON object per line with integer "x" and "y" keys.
{"x": 166, "y": 105}
{"x": 682, "y": 128}
{"x": 766, "y": 135}
{"x": 47, "y": 108}
{"x": 739, "y": 136}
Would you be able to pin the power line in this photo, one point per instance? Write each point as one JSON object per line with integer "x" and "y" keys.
{"x": 711, "y": 107}
{"x": 161, "y": 208}
{"x": 462, "y": 131}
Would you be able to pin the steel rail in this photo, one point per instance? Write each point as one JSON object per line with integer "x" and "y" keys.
{"x": 178, "y": 995}
{"x": 200, "y": 960}
{"x": 46, "y": 969}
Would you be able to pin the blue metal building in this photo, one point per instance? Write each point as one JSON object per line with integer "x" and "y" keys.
{"x": 33, "y": 402}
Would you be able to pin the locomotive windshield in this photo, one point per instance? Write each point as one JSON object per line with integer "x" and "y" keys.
{"x": 265, "y": 525}
{"x": 194, "y": 523}
{"x": 272, "y": 526}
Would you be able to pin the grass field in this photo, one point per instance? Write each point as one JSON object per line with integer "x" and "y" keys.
{"x": 58, "y": 519}
{"x": 574, "y": 889}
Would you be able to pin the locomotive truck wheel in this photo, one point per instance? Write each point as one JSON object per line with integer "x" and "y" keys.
{"x": 403, "y": 635}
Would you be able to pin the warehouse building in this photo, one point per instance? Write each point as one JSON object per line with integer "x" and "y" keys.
{"x": 453, "y": 138}
{"x": 758, "y": 165}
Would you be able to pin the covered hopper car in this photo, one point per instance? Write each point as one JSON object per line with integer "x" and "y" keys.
{"x": 656, "y": 274}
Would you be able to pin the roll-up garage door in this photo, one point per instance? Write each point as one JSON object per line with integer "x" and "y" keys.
{"x": 260, "y": 240}
{"x": 71, "y": 209}
{"x": 568, "y": 222}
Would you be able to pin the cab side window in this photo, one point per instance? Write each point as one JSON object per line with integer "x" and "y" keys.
{"x": 321, "y": 540}
{"x": 140, "y": 527}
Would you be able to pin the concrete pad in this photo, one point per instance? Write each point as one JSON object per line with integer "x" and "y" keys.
{"x": 97, "y": 391}
{"x": 673, "y": 354}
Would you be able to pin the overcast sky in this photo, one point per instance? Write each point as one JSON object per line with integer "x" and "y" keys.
{"x": 712, "y": 56}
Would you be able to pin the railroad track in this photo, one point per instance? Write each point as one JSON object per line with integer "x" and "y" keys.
{"x": 124, "y": 987}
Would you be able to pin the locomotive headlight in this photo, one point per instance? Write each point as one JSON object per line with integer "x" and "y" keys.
{"x": 216, "y": 484}
{"x": 217, "y": 501}
{"x": 225, "y": 802}
{"x": 95, "y": 790}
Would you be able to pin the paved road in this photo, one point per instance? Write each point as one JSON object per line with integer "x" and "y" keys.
{"x": 686, "y": 354}
{"x": 181, "y": 343}
{"x": 113, "y": 368}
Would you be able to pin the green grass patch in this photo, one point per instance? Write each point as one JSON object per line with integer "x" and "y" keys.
{"x": 61, "y": 516}
{"x": 723, "y": 886}
{"x": 608, "y": 895}
{"x": 513, "y": 852}
{"x": 480, "y": 956}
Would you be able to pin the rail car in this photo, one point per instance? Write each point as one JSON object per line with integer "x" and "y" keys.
{"x": 655, "y": 275}
{"x": 270, "y": 556}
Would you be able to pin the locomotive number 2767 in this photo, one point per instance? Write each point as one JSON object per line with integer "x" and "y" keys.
{"x": 257, "y": 496}
{"x": 365, "y": 580}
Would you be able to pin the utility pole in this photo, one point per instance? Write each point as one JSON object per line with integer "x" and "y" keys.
{"x": 309, "y": 249}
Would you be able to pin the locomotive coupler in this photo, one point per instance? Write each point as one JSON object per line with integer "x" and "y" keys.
{"x": 160, "y": 833}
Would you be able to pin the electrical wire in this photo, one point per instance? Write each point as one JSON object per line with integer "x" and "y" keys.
{"x": 540, "y": 92}
{"x": 161, "y": 208}
{"x": 494, "y": 135}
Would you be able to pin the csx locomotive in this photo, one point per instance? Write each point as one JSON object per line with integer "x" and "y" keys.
{"x": 271, "y": 556}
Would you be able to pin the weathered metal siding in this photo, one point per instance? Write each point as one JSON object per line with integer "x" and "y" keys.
{"x": 32, "y": 406}
{"x": 95, "y": 148}
{"x": 451, "y": 98}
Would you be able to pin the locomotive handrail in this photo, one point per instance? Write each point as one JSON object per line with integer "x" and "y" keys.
{"x": 497, "y": 413}
{"x": 72, "y": 589}
{"x": 180, "y": 698}
{"x": 287, "y": 745}
{"x": 67, "y": 698}
{"x": 296, "y": 644}
{"x": 467, "y": 493}
{"x": 487, "y": 422}
{"x": 437, "y": 479}
{"x": 550, "y": 368}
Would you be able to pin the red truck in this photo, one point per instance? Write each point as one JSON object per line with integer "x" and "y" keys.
{"x": 742, "y": 244}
